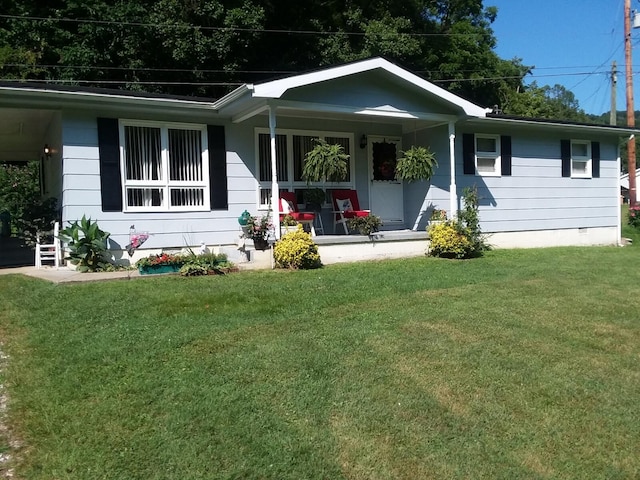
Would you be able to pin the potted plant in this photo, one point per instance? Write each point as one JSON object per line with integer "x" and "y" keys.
{"x": 438, "y": 216}
{"x": 417, "y": 163}
{"x": 314, "y": 198}
{"x": 160, "y": 263}
{"x": 365, "y": 225}
{"x": 325, "y": 162}
{"x": 288, "y": 224}
{"x": 258, "y": 230}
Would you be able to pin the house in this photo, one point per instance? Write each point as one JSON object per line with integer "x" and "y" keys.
{"x": 624, "y": 186}
{"x": 184, "y": 169}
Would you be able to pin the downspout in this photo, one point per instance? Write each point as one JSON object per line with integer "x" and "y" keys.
{"x": 275, "y": 192}
{"x": 453, "y": 194}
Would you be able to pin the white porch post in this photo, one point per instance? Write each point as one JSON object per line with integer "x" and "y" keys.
{"x": 453, "y": 194}
{"x": 275, "y": 193}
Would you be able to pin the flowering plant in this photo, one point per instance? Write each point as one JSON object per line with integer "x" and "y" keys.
{"x": 634, "y": 216}
{"x": 439, "y": 215}
{"x": 161, "y": 259}
{"x": 258, "y": 227}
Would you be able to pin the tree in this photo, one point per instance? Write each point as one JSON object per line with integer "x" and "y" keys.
{"x": 545, "y": 102}
{"x": 206, "y": 47}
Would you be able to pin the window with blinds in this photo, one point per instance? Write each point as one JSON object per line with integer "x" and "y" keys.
{"x": 165, "y": 167}
{"x": 292, "y": 147}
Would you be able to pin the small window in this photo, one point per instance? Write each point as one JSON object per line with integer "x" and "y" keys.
{"x": 580, "y": 159}
{"x": 165, "y": 167}
{"x": 488, "y": 155}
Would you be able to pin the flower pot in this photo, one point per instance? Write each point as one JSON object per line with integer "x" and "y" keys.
{"x": 260, "y": 243}
{"x": 155, "y": 269}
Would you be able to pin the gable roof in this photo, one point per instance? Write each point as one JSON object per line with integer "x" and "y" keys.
{"x": 276, "y": 89}
{"x": 624, "y": 179}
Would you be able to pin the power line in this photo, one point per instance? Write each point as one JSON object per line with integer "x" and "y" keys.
{"x": 229, "y": 29}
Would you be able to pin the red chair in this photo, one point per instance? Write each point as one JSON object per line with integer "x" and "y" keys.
{"x": 289, "y": 206}
{"x": 346, "y": 206}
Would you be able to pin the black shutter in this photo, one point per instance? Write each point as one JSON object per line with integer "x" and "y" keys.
{"x": 505, "y": 154}
{"x": 109, "y": 153}
{"x": 595, "y": 159}
{"x": 565, "y": 155}
{"x": 217, "y": 168}
{"x": 468, "y": 153}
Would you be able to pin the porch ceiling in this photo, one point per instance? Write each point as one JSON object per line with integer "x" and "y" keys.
{"x": 409, "y": 123}
{"x": 22, "y": 133}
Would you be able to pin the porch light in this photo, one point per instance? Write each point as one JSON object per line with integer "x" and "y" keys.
{"x": 363, "y": 141}
{"x": 47, "y": 150}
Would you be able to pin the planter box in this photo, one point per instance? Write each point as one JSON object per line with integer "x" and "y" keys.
{"x": 155, "y": 269}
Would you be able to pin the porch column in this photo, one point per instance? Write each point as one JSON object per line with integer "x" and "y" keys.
{"x": 453, "y": 194}
{"x": 275, "y": 192}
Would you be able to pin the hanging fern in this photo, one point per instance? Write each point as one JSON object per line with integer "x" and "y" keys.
{"x": 417, "y": 163}
{"x": 325, "y": 162}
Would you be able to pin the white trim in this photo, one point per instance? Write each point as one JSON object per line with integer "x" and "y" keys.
{"x": 453, "y": 189}
{"x": 166, "y": 184}
{"x": 495, "y": 155}
{"x": 277, "y": 88}
{"x": 301, "y": 184}
{"x": 587, "y": 159}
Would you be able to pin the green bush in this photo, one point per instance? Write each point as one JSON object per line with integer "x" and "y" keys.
{"x": 365, "y": 225}
{"x": 87, "y": 245}
{"x": 461, "y": 237}
{"x": 193, "y": 270}
{"x": 447, "y": 241}
{"x": 21, "y": 198}
{"x": 296, "y": 250}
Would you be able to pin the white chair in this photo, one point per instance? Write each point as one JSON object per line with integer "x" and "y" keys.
{"x": 48, "y": 252}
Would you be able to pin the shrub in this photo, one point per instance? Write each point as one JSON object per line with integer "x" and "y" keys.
{"x": 461, "y": 237}
{"x": 447, "y": 241}
{"x": 192, "y": 270}
{"x": 296, "y": 250}
{"x": 365, "y": 225}
{"x": 634, "y": 216}
{"x": 21, "y": 198}
{"x": 87, "y": 245}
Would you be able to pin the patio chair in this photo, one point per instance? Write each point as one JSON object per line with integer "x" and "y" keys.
{"x": 346, "y": 206}
{"x": 289, "y": 206}
{"x": 50, "y": 251}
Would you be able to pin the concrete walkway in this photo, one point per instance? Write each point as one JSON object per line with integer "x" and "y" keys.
{"x": 66, "y": 275}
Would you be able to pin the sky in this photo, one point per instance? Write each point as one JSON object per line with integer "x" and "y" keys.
{"x": 571, "y": 43}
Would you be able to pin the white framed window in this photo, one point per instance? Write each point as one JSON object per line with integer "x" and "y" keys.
{"x": 488, "y": 155}
{"x": 580, "y": 159}
{"x": 165, "y": 166}
{"x": 292, "y": 147}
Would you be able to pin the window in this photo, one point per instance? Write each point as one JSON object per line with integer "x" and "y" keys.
{"x": 488, "y": 155}
{"x": 165, "y": 166}
{"x": 291, "y": 150}
{"x": 580, "y": 159}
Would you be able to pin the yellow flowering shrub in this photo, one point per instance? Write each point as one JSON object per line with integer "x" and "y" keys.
{"x": 296, "y": 250}
{"x": 447, "y": 241}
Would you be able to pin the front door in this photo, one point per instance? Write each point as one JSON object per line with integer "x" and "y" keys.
{"x": 386, "y": 192}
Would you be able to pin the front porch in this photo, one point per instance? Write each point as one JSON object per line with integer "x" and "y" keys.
{"x": 355, "y": 248}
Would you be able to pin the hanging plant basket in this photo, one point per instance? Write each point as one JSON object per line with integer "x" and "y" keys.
{"x": 417, "y": 163}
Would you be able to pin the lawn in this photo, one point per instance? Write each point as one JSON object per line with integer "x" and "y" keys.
{"x": 520, "y": 364}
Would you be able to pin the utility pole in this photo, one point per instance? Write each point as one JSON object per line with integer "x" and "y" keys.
{"x": 631, "y": 121}
{"x": 613, "y": 114}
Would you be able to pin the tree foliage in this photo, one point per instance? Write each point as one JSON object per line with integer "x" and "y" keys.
{"x": 206, "y": 47}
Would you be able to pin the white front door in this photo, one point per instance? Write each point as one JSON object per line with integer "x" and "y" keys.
{"x": 386, "y": 199}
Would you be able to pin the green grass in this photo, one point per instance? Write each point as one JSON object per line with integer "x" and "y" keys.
{"x": 520, "y": 364}
{"x": 627, "y": 230}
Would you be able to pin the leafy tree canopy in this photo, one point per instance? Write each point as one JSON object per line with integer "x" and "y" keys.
{"x": 208, "y": 47}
